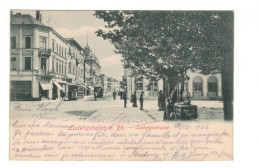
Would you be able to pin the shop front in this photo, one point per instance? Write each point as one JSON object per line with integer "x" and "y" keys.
{"x": 21, "y": 90}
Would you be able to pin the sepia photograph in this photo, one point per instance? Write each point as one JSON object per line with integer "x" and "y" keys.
{"x": 121, "y": 85}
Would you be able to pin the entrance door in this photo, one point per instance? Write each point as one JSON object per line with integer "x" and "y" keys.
{"x": 197, "y": 87}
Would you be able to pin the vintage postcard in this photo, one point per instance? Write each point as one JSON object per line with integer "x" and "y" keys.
{"x": 121, "y": 85}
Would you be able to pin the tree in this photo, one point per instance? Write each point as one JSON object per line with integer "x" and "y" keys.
{"x": 154, "y": 43}
{"x": 216, "y": 53}
{"x": 165, "y": 44}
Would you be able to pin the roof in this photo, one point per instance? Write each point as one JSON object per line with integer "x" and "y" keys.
{"x": 25, "y": 19}
{"x": 74, "y": 42}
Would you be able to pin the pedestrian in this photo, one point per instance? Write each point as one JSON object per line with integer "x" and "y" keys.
{"x": 95, "y": 95}
{"x": 75, "y": 94}
{"x": 114, "y": 94}
{"x": 125, "y": 98}
{"x": 63, "y": 95}
{"x": 134, "y": 99}
{"x": 141, "y": 100}
{"x": 161, "y": 100}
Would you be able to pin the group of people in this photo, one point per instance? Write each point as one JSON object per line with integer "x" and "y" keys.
{"x": 133, "y": 99}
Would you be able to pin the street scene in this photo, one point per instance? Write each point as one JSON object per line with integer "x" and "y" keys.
{"x": 137, "y": 65}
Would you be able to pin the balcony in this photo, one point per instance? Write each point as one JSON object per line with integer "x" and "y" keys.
{"x": 46, "y": 73}
{"x": 44, "y": 52}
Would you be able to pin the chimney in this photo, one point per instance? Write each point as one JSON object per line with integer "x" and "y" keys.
{"x": 38, "y": 16}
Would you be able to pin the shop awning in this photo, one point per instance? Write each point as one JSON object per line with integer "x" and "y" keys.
{"x": 45, "y": 85}
{"x": 90, "y": 87}
{"x": 60, "y": 81}
{"x": 58, "y": 85}
{"x": 72, "y": 84}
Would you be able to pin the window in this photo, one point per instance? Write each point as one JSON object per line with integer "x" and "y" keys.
{"x": 65, "y": 72}
{"x": 13, "y": 63}
{"x": 53, "y": 45}
{"x": 43, "y": 63}
{"x": 13, "y": 42}
{"x": 197, "y": 86}
{"x": 53, "y": 66}
{"x": 213, "y": 87}
{"x": 62, "y": 51}
{"x": 69, "y": 51}
{"x": 69, "y": 67}
{"x": 139, "y": 85}
{"x": 27, "y": 63}
{"x": 57, "y": 48}
{"x": 27, "y": 42}
{"x": 65, "y": 52}
{"x": 62, "y": 68}
{"x": 57, "y": 67}
{"x": 43, "y": 43}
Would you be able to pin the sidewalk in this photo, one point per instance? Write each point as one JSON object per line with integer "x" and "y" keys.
{"x": 207, "y": 110}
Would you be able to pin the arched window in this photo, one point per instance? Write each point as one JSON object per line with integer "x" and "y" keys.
{"x": 212, "y": 86}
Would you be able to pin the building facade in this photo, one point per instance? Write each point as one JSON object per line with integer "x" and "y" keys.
{"x": 103, "y": 79}
{"x": 198, "y": 86}
{"x": 94, "y": 68}
{"x": 43, "y": 63}
{"x": 112, "y": 84}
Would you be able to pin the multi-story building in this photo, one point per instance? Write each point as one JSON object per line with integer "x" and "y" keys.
{"x": 92, "y": 60}
{"x": 112, "y": 84}
{"x": 77, "y": 54}
{"x": 103, "y": 78}
{"x": 42, "y": 63}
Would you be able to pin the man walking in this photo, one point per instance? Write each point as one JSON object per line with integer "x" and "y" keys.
{"x": 114, "y": 94}
{"x": 160, "y": 100}
{"x": 141, "y": 100}
{"x": 95, "y": 95}
{"x": 134, "y": 99}
{"x": 125, "y": 99}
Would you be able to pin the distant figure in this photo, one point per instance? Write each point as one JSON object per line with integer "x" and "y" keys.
{"x": 114, "y": 94}
{"x": 76, "y": 94}
{"x": 125, "y": 99}
{"x": 161, "y": 100}
{"x": 134, "y": 99}
{"x": 63, "y": 95}
{"x": 95, "y": 95}
{"x": 141, "y": 100}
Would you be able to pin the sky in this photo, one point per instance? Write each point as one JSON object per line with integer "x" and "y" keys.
{"x": 81, "y": 26}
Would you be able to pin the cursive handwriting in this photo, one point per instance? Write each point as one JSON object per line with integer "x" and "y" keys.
{"x": 46, "y": 107}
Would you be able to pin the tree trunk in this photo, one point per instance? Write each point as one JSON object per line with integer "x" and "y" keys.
{"x": 227, "y": 87}
{"x": 182, "y": 87}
